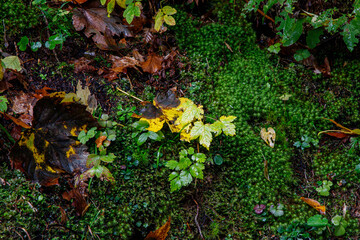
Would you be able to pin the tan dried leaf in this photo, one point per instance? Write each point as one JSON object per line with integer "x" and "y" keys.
{"x": 120, "y": 64}
{"x": 268, "y": 136}
{"x": 152, "y": 64}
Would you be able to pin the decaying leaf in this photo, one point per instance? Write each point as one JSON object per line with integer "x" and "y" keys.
{"x": 12, "y": 62}
{"x": 83, "y": 65}
{"x": 315, "y": 204}
{"x": 86, "y": 98}
{"x": 268, "y": 136}
{"x": 120, "y": 64}
{"x": 79, "y": 202}
{"x": 99, "y": 141}
{"x": 152, "y": 64}
{"x": 50, "y": 148}
{"x": 97, "y": 25}
{"x": 344, "y": 132}
{"x": 160, "y": 233}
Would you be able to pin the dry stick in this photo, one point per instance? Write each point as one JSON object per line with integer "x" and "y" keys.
{"x": 196, "y": 221}
{"x": 262, "y": 13}
{"x": 119, "y": 89}
{"x": 6, "y": 44}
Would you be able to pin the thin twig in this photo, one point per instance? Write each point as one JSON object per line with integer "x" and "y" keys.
{"x": 6, "y": 44}
{"x": 262, "y": 13}
{"x": 48, "y": 34}
{"x": 25, "y": 232}
{"x": 196, "y": 221}
{"x": 119, "y": 89}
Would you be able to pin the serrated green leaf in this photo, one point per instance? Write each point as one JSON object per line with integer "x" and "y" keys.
{"x": 229, "y": 127}
{"x": 185, "y": 177}
{"x": 196, "y": 170}
{"x": 107, "y": 174}
{"x": 172, "y": 164}
{"x": 12, "y": 62}
{"x": 317, "y": 221}
{"x": 191, "y": 112}
{"x": 313, "y": 37}
{"x": 175, "y": 184}
{"x": 191, "y": 150}
{"x": 350, "y": 36}
{"x": 3, "y": 102}
{"x": 169, "y": 20}
{"x": 108, "y": 158}
{"x": 217, "y": 127}
{"x": 168, "y": 10}
{"x": 184, "y": 163}
{"x": 203, "y": 132}
{"x": 199, "y": 157}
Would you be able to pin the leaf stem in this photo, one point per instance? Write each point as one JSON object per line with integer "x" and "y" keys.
{"x": 119, "y": 89}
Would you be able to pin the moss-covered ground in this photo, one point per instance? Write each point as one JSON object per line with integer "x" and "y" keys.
{"x": 233, "y": 76}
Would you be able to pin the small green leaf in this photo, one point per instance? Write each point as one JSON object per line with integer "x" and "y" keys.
{"x": 159, "y": 20}
{"x": 218, "y": 160}
{"x": 173, "y": 175}
{"x": 185, "y": 177}
{"x": 35, "y": 46}
{"x": 102, "y": 2}
{"x": 24, "y": 41}
{"x": 155, "y": 136}
{"x": 175, "y": 184}
{"x": 277, "y": 211}
{"x": 339, "y": 231}
{"x": 191, "y": 150}
{"x": 301, "y": 54}
{"x": 357, "y": 168}
{"x": 141, "y": 125}
{"x": 169, "y": 10}
{"x": 274, "y": 48}
{"x": 196, "y": 170}
{"x": 108, "y": 158}
{"x": 199, "y": 157}
{"x": 317, "y": 221}
{"x": 142, "y": 138}
{"x": 3, "y": 103}
{"x": 169, "y": 20}
{"x": 172, "y": 164}
{"x": 184, "y": 163}
{"x": 336, "y": 220}
{"x": 110, "y": 7}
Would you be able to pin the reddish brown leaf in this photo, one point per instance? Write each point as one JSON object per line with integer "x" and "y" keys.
{"x": 63, "y": 216}
{"x": 138, "y": 56}
{"x": 40, "y": 93}
{"x": 152, "y": 64}
{"x": 337, "y": 134}
{"x": 160, "y": 233}
{"x": 79, "y": 202}
{"x": 99, "y": 141}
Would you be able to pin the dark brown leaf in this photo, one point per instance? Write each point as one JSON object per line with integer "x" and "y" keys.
{"x": 168, "y": 100}
{"x": 83, "y": 65}
{"x": 79, "y": 202}
{"x": 97, "y": 25}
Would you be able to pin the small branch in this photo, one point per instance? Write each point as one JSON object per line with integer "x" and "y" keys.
{"x": 263, "y": 14}
{"x": 196, "y": 221}
{"x": 119, "y": 89}
{"x": 48, "y": 34}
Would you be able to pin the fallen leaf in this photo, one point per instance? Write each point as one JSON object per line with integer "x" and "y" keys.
{"x": 63, "y": 216}
{"x": 120, "y": 64}
{"x": 95, "y": 22}
{"x": 12, "y": 62}
{"x": 160, "y": 233}
{"x": 40, "y": 93}
{"x": 152, "y": 64}
{"x": 83, "y": 65}
{"x": 16, "y": 121}
{"x": 315, "y": 204}
{"x": 50, "y": 148}
{"x": 23, "y": 103}
{"x": 86, "y": 98}
{"x": 79, "y": 202}
{"x": 138, "y": 56}
{"x": 343, "y": 130}
{"x": 268, "y": 136}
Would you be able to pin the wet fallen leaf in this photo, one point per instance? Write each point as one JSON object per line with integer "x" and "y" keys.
{"x": 40, "y": 93}
{"x": 23, "y": 103}
{"x": 50, "y": 148}
{"x": 315, "y": 204}
{"x": 86, "y": 98}
{"x": 79, "y": 202}
{"x": 268, "y": 136}
{"x": 15, "y": 120}
{"x": 83, "y": 65}
{"x": 340, "y": 133}
{"x": 96, "y": 24}
{"x": 160, "y": 233}
{"x": 138, "y": 56}
{"x": 99, "y": 141}
{"x": 12, "y": 62}
{"x": 152, "y": 64}
{"x": 120, "y": 64}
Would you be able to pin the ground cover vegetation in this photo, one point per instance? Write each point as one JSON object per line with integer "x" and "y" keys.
{"x": 151, "y": 120}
